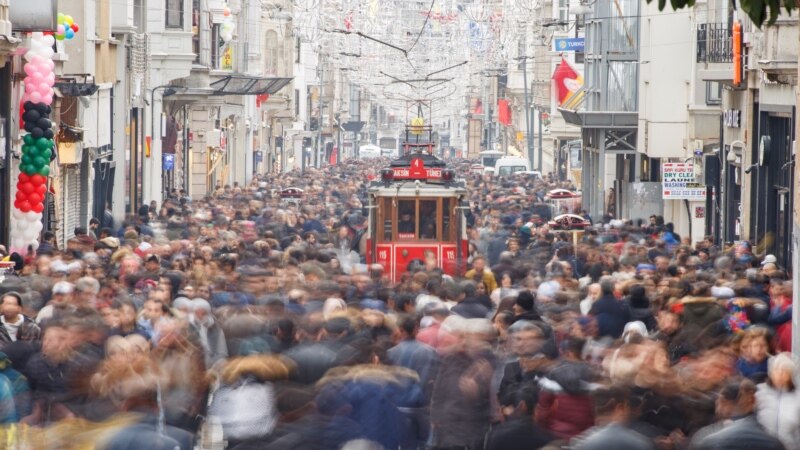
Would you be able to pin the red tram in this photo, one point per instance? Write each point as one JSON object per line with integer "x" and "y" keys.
{"x": 416, "y": 213}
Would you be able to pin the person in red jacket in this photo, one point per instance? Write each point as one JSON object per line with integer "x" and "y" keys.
{"x": 565, "y": 408}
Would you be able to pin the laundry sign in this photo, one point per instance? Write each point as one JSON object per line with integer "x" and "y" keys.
{"x": 678, "y": 182}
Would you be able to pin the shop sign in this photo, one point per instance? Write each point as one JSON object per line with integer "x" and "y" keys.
{"x": 678, "y": 182}
{"x": 732, "y": 118}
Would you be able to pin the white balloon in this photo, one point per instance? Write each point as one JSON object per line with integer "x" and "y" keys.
{"x": 31, "y": 216}
{"x": 38, "y": 226}
{"x": 35, "y": 244}
{"x": 17, "y": 214}
{"x": 49, "y": 40}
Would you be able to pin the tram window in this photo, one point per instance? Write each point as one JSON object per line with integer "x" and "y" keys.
{"x": 406, "y": 219}
{"x": 428, "y": 216}
{"x": 447, "y": 233}
{"x": 386, "y": 218}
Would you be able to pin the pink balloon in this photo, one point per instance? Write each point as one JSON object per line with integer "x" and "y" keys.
{"x": 29, "y": 87}
{"x": 51, "y": 64}
{"x": 44, "y": 87}
{"x": 48, "y": 100}
{"x": 36, "y": 97}
{"x": 30, "y": 68}
{"x": 60, "y": 29}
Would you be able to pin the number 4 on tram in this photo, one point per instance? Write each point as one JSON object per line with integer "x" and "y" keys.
{"x": 416, "y": 216}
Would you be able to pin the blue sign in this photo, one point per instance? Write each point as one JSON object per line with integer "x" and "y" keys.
{"x": 258, "y": 156}
{"x": 169, "y": 161}
{"x": 568, "y": 44}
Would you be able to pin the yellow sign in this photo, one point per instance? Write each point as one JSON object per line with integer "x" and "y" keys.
{"x": 226, "y": 62}
{"x": 417, "y": 125}
{"x": 520, "y": 136}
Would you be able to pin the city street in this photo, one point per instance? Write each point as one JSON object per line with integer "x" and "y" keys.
{"x": 399, "y": 225}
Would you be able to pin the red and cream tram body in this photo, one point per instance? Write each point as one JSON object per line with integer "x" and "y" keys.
{"x": 416, "y": 213}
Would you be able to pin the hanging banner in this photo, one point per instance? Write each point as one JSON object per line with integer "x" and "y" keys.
{"x": 567, "y": 84}
{"x": 504, "y": 111}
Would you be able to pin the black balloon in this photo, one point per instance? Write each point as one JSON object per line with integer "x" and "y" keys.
{"x": 37, "y": 133}
{"x": 31, "y": 116}
{"x": 29, "y": 105}
{"x": 48, "y": 133}
{"x": 29, "y": 127}
{"x": 43, "y": 123}
{"x": 42, "y": 108}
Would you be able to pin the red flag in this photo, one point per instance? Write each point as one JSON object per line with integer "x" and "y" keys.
{"x": 566, "y": 81}
{"x": 504, "y": 112}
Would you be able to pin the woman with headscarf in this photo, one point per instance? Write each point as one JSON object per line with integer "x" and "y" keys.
{"x": 209, "y": 333}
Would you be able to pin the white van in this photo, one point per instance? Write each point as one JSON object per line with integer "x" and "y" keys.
{"x": 510, "y": 165}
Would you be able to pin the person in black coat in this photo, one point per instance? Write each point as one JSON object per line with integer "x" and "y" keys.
{"x": 640, "y": 307}
{"x": 518, "y": 431}
{"x": 611, "y": 314}
{"x": 469, "y": 306}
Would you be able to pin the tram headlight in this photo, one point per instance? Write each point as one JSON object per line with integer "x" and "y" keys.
{"x": 448, "y": 175}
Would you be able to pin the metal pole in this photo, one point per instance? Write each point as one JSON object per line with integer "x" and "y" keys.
{"x": 541, "y": 145}
{"x": 528, "y": 128}
{"x": 319, "y": 114}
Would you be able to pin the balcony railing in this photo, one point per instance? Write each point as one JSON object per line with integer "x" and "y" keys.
{"x": 714, "y": 43}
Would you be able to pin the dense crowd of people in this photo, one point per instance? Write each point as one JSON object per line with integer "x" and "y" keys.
{"x": 250, "y": 321}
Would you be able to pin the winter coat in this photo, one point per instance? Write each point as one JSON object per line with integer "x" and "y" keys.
{"x": 703, "y": 318}
{"x": 612, "y": 315}
{"x": 778, "y": 412}
{"x": 613, "y": 436}
{"x": 245, "y": 409}
{"x": 459, "y": 421}
{"x": 565, "y": 408}
{"x": 744, "y": 434}
{"x": 371, "y": 395}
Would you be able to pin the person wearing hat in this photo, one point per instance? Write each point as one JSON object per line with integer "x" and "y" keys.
{"x": 60, "y": 302}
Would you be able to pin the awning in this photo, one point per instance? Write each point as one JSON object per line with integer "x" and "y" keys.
{"x": 248, "y": 85}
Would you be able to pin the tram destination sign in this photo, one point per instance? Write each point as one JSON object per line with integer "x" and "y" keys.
{"x": 417, "y": 171}
{"x": 404, "y": 173}
{"x": 678, "y": 182}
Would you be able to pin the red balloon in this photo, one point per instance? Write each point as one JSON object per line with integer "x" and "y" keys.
{"x": 38, "y": 180}
{"x": 42, "y": 189}
{"x": 75, "y": 27}
{"x": 39, "y": 207}
{"x": 34, "y": 199}
{"x": 27, "y": 188}
{"x": 21, "y": 196}
{"x": 17, "y": 203}
{"x": 25, "y": 206}
{"x": 24, "y": 177}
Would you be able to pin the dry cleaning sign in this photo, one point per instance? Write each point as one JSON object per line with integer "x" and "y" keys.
{"x": 678, "y": 182}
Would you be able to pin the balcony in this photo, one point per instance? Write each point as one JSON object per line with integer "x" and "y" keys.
{"x": 714, "y": 43}
{"x": 714, "y": 52}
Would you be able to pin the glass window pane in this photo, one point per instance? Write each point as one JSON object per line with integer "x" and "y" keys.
{"x": 428, "y": 215}
{"x": 446, "y": 215}
{"x": 406, "y": 219}
{"x": 386, "y": 217}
